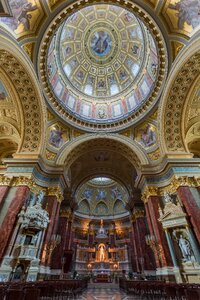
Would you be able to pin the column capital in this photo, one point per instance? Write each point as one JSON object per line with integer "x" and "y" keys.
{"x": 149, "y": 191}
{"x": 65, "y": 212}
{"x": 5, "y": 181}
{"x": 177, "y": 182}
{"x": 55, "y": 191}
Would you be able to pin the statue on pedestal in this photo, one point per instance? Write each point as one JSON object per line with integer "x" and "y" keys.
{"x": 185, "y": 248}
{"x": 102, "y": 252}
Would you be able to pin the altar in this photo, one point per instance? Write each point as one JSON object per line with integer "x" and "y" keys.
{"x": 102, "y": 278}
{"x": 101, "y": 258}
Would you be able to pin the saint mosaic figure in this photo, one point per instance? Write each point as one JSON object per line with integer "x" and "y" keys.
{"x": 56, "y": 137}
{"x": 148, "y": 136}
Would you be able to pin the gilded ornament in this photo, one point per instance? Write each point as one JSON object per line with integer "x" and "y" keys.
{"x": 55, "y": 191}
{"x": 65, "y": 212}
{"x": 155, "y": 155}
{"x": 29, "y": 49}
{"x": 50, "y": 155}
{"x": 148, "y": 192}
{"x": 23, "y": 181}
{"x": 5, "y": 181}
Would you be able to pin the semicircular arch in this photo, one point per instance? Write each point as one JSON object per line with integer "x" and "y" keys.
{"x": 116, "y": 142}
{"x": 184, "y": 72}
{"x": 18, "y": 68}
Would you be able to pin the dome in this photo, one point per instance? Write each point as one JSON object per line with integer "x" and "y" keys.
{"x": 102, "y": 67}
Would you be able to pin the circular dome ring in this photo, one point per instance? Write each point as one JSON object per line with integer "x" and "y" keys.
{"x": 100, "y": 106}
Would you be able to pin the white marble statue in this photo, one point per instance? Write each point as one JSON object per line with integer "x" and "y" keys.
{"x": 185, "y": 248}
{"x": 167, "y": 197}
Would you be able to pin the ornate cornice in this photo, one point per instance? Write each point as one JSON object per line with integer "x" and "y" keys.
{"x": 175, "y": 183}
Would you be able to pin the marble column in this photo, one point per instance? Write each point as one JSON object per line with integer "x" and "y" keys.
{"x": 162, "y": 245}
{"x": 68, "y": 234}
{"x": 58, "y": 254}
{"x": 3, "y": 192}
{"x": 191, "y": 207}
{"x": 135, "y": 254}
{"x": 145, "y": 253}
{"x": 150, "y": 225}
{"x": 19, "y": 195}
{"x": 51, "y": 205}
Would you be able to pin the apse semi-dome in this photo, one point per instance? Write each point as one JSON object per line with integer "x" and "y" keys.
{"x": 101, "y": 197}
{"x": 101, "y": 68}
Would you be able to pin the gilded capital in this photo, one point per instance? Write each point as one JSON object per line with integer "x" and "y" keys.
{"x": 55, "y": 191}
{"x": 65, "y": 213}
{"x": 149, "y": 191}
{"x": 22, "y": 180}
{"x": 4, "y": 180}
{"x": 139, "y": 213}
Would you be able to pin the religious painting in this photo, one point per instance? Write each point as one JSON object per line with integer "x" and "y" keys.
{"x": 182, "y": 15}
{"x": 87, "y": 193}
{"x": 116, "y": 193}
{"x": 25, "y": 15}
{"x": 101, "y": 194}
{"x": 57, "y": 136}
{"x": 3, "y": 92}
{"x": 101, "y": 43}
{"x": 146, "y": 135}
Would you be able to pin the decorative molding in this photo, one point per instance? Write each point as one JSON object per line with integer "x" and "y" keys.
{"x": 29, "y": 48}
{"x": 5, "y": 181}
{"x": 175, "y": 183}
{"x": 55, "y": 191}
{"x": 149, "y": 191}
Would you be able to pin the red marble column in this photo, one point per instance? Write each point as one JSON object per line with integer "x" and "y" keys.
{"x": 151, "y": 233}
{"x": 165, "y": 257}
{"x": 3, "y": 192}
{"x": 51, "y": 205}
{"x": 191, "y": 208}
{"x": 58, "y": 254}
{"x": 134, "y": 255}
{"x": 144, "y": 251}
{"x": 11, "y": 216}
{"x": 68, "y": 235}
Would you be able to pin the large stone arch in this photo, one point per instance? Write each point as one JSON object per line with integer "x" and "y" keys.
{"x": 174, "y": 100}
{"x": 131, "y": 150}
{"x": 20, "y": 72}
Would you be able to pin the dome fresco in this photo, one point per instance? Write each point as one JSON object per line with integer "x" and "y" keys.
{"x": 101, "y": 196}
{"x": 102, "y": 64}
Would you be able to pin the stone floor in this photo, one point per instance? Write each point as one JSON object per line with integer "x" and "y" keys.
{"x": 105, "y": 291}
